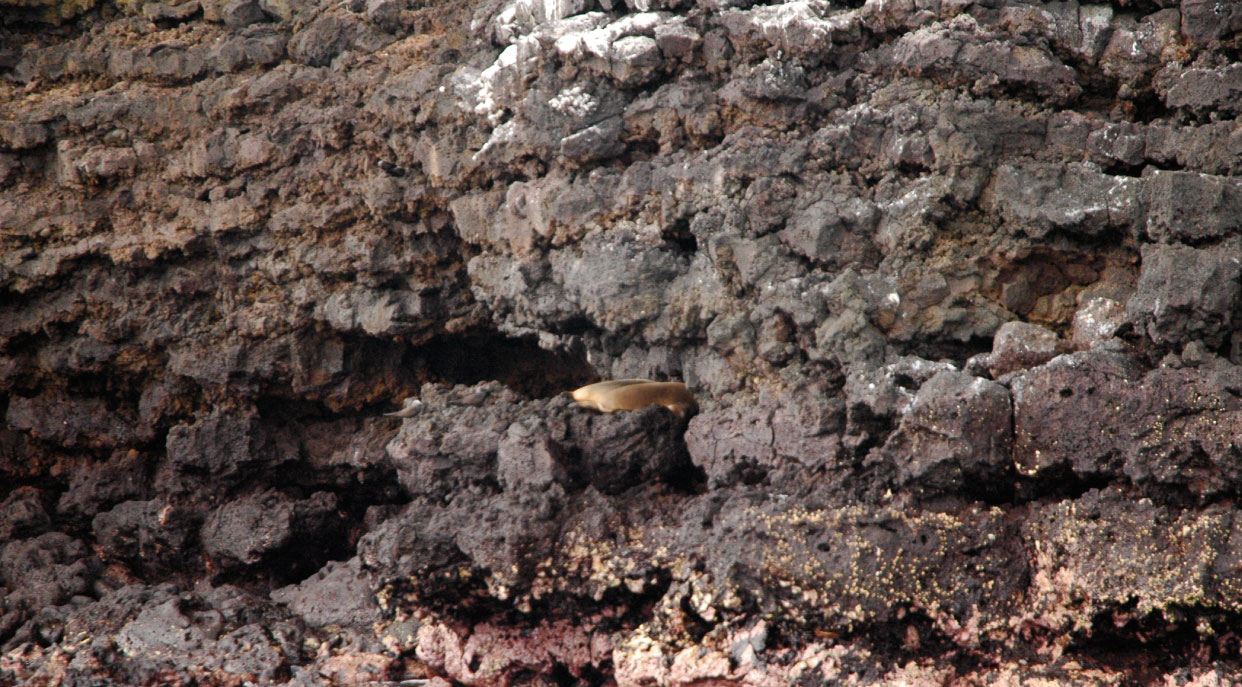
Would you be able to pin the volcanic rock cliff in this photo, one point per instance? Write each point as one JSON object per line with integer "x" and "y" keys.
{"x": 957, "y": 284}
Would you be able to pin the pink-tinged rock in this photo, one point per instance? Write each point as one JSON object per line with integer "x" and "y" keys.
{"x": 1097, "y": 321}
{"x": 355, "y": 668}
{"x": 677, "y": 40}
{"x": 253, "y": 151}
{"x": 78, "y": 165}
{"x": 1021, "y": 345}
{"x": 634, "y": 60}
{"x": 16, "y": 135}
{"x": 490, "y": 652}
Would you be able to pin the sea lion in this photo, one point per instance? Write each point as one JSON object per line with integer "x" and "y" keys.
{"x": 632, "y": 394}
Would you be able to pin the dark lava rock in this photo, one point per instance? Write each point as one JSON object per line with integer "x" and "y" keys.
{"x": 1098, "y": 414}
{"x": 75, "y": 422}
{"x": 1042, "y": 198}
{"x": 22, "y": 514}
{"x": 143, "y": 634}
{"x": 619, "y": 451}
{"x": 875, "y": 399}
{"x": 244, "y": 530}
{"x": 849, "y": 567}
{"x": 1111, "y": 549}
{"x": 1186, "y": 293}
{"x": 484, "y": 435}
{"x": 341, "y": 594}
{"x": 451, "y": 445}
{"x": 46, "y": 570}
{"x": 596, "y": 142}
{"x": 432, "y": 547}
{"x": 240, "y": 13}
{"x": 220, "y": 633}
{"x": 1047, "y": 396}
{"x": 528, "y": 457}
{"x": 957, "y": 435}
{"x": 1192, "y": 207}
{"x": 123, "y": 477}
{"x": 154, "y": 535}
{"x": 223, "y": 445}
{"x": 330, "y": 35}
{"x": 789, "y": 439}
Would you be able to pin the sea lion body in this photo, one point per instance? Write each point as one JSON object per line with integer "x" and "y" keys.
{"x": 632, "y": 394}
{"x": 587, "y": 395}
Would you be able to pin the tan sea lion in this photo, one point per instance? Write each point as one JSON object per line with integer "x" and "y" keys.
{"x": 632, "y": 394}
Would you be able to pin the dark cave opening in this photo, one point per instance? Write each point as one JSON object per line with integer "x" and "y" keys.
{"x": 954, "y": 351}
{"x": 679, "y": 236}
{"x": 518, "y": 363}
{"x": 1058, "y": 483}
{"x": 1147, "y": 646}
{"x": 335, "y": 376}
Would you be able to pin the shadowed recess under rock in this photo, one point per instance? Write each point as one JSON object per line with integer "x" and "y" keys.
{"x": 518, "y": 363}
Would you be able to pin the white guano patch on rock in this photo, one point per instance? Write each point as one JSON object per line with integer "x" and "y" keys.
{"x": 500, "y": 135}
{"x": 520, "y": 17}
{"x": 494, "y": 91}
{"x": 574, "y": 101}
{"x": 798, "y": 27}
{"x": 597, "y": 42}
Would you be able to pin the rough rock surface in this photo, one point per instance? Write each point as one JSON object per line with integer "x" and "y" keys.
{"x": 957, "y": 283}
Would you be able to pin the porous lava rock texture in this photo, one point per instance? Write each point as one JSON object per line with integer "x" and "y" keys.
{"x": 957, "y": 284}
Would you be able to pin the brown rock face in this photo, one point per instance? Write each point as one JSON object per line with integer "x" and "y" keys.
{"x": 957, "y": 287}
